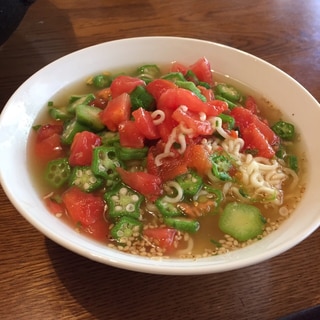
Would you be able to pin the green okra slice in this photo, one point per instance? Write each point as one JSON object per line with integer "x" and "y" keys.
{"x": 126, "y": 229}
{"x": 221, "y": 165}
{"x": 183, "y": 224}
{"x": 284, "y": 130}
{"x": 148, "y": 72}
{"x": 123, "y": 201}
{"x": 70, "y": 130}
{"x": 83, "y": 178}
{"x": 105, "y": 163}
{"x": 228, "y": 92}
{"x": 127, "y": 153}
{"x": 76, "y": 100}
{"x": 242, "y": 221}
{"x": 89, "y": 117}
{"x": 174, "y": 76}
{"x": 57, "y": 172}
{"x": 190, "y": 183}
{"x": 167, "y": 209}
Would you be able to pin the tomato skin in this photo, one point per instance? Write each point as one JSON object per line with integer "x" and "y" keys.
{"x": 124, "y": 84}
{"x": 244, "y": 117}
{"x": 251, "y": 105}
{"x": 116, "y": 111}
{"x": 98, "y": 230}
{"x": 48, "y": 149}
{"x": 197, "y": 157}
{"x": 202, "y": 69}
{"x": 54, "y": 207}
{"x": 48, "y": 130}
{"x": 130, "y": 135}
{"x": 255, "y": 140}
{"x": 174, "y": 98}
{"x": 145, "y": 183}
{"x": 82, "y": 148}
{"x": 162, "y": 237}
{"x": 192, "y": 121}
{"x": 158, "y": 86}
{"x": 86, "y": 208}
{"x": 145, "y": 124}
{"x": 179, "y": 67}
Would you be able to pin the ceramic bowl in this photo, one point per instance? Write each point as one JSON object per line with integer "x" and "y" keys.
{"x": 25, "y": 104}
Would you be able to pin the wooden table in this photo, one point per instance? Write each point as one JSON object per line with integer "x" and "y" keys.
{"x": 41, "y": 280}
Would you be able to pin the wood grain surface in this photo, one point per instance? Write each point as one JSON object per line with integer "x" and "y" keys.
{"x": 41, "y": 280}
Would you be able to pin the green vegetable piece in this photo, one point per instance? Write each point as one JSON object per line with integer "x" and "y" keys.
{"x": 59, "y": 114}
{"x": 231, "y": 105}
{"x": 281, "y": 152}
{"x": 189, "y": 85}
{"x": 284, "y": 130}
{"x": 148, "y": 72}
{"x": 57, "y": 172}
{"x": 228, "y": 120}
{"x": 183, "y": 224}
{"x": 89, "y": 116}
{"x": 167, "y": 209}
{"x": 174, "y": 76}
{"x": 110, "y": 138}
{"x": 208, "y": 192}
{"x": 127, "y": 153}
{"x": 123, "y": 201}
{"x": 190, "y": 183}
{"x": 221, "y": 165}
{"x": 76, "y": 100}
{"x": 190, "y": 76}
{"x": 84, "y": 178}
{"x": 70, "y": 130}
{"x": 126, "y": 229}
{"x": 228, "y": 92}
{"x": 104, "y": 164}
{"x": 241, "y": 221}
{"x": 141, "y": 98}
{"x": 102, "y": 81}
{"x": 292, "y": 162}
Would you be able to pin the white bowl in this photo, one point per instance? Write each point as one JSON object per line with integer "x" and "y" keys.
{"x": 22, "y": 108}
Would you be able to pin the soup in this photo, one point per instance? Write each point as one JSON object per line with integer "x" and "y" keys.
{"x": 176, "y": 161}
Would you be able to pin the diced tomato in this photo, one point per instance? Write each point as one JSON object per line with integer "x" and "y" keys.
{"x": 99, "y": 103}
{"x": 104, "y": 94}
{"x": 162, "y": 237}
{"x": 202, "y": 70}
{"x": 116, "y": 111}
{"x": 83, "y": 207}
{"x": 53, "y": 206}
{"x": 147, "y": 184}
{"x": 179, "y": 67}
{"x": 145, "y": 124}
{"x": 170, "y": 167}
{"x": 207, "y": 93}
{"x": 130, "y": 135}
{"x": 47, "y": 149}
{"x": 158, "y": 86}
{"x": 174, "y": 98}
{"x": 197, "y": 157}
{"x": 48, "y": 130}
{"x": 82, "y": 148}
{"x": 124, "y": 84}
{"x": 98, "y": 230}
{"x": 192, "y": 120}
{"x": 243, "y": 117}
{"x": 165, "y": 128}
{"x": 256, "y": 141}
{"x": 217, "y": 107}
{"x": 251, "y": 104}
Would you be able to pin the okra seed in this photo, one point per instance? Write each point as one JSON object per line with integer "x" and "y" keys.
{"x": 117, "y": 208}
{"x": 123, "y": 191}
{"x": 130, "y": 207}
{"x": 134, "y": 198}
{"x": 115, "y": 198}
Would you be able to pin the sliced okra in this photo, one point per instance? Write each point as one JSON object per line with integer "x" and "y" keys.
{"x": 89, "y": 116}
{"x": 190, "y": 183}
{"x": 183, "y": 224}
{"x": 126, "y": 229}
{"x": 123, "y": 201}
{"x": 167, "y": 209}
{"x": 84, "y": 179}
{"x": 57, "y": 172}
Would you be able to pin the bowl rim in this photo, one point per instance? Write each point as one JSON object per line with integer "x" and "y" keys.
{"x": 141, "y": 264}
